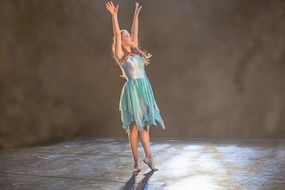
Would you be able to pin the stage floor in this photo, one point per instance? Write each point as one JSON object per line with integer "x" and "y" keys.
{"x": 106, "y": 163}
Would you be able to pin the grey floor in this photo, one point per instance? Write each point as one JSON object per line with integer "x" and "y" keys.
{"x": 106, "y": 163}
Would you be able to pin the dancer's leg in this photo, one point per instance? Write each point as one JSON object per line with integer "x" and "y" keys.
{"x": 144, "y": 136}
{"x": 133, "y": 136}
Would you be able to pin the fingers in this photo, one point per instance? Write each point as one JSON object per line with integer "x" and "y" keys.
{"x": 110, "y": 4}
{"x": 138, "y": 10}
{"x": 111, "y": 7}
{"x": 108, "y": 8}
{"x": 138, "y": 7}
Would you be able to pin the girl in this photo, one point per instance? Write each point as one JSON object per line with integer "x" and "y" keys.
{"x": 137, "y": 104}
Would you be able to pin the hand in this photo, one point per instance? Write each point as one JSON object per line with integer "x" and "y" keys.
{"x": 138, "y": 8}
{"x": 111, "y": 8}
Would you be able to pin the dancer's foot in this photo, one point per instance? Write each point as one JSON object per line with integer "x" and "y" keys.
{"x": 136, "y": 167}
{"x": 136, "y": 170}
{"x": 150, "y": 164}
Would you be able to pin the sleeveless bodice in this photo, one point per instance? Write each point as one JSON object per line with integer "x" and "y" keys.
{"x": 134, "y": 67}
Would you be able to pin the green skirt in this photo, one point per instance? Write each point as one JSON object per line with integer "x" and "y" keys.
{"x": 137, "y": 103}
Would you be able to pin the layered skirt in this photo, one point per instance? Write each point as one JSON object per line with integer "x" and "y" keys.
{"x": 137, "y": 103}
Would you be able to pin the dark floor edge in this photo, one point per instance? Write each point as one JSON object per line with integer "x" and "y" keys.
{"x": 187, "y": 139}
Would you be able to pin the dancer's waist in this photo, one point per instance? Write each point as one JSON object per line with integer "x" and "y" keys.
{"x": 136, "y": 76}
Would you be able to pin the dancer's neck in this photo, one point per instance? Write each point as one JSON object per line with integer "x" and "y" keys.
{"x": 128, "y": 49}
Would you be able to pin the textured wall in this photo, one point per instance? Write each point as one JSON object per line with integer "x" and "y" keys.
{"x": 218, "y": 68}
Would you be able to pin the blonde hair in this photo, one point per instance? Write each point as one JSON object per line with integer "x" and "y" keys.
{"x": 144, "y": 54}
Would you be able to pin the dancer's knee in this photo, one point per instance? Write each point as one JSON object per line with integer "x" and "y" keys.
{"x": 133, "y": 127}
{"x": 144, "y": 131}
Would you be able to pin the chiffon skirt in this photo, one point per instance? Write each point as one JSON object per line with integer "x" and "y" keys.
{"x": 137, "y": 103}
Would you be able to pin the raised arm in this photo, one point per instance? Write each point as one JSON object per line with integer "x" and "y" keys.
{"x": 116, "y": 29}
{"x": 135, "y": 25}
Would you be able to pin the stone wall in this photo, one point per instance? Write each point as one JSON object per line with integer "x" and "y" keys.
{"x": 218, "y": 68}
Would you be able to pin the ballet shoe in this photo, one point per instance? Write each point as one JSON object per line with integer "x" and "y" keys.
{"x": 149, "y": 163}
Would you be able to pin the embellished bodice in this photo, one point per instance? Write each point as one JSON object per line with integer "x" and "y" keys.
{"x": 133, "y": 67}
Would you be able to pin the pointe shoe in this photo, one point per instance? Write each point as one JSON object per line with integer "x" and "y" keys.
{"x": 149, "y": 163}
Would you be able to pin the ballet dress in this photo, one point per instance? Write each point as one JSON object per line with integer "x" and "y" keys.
{"x": 137, "y": 100}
